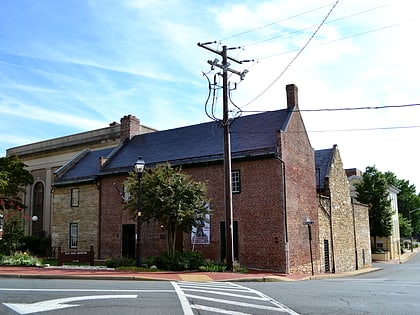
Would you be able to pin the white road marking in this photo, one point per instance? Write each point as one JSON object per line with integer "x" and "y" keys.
{"x": 59, "y": 303}
{"x": 182, "y": 299}
{"x": 207, "y": 291}
{"x": 217, "y": 310}
{"x": 88, "y": 290}
{"x": 249, "y": 305}
{"x": 227, "y": 294}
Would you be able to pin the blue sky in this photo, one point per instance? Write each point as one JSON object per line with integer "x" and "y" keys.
{"x": 72, "y": 66}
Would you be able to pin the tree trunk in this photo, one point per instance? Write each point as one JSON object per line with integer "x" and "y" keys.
{"x": 171, "y": 242}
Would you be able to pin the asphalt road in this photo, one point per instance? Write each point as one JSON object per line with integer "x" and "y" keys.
{"x": 393, "y": 290}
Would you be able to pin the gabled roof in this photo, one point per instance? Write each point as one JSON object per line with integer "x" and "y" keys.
{"x": 82, "y": 169}
{"x": 323, "y": 160}
{"x": 250, "y": 136}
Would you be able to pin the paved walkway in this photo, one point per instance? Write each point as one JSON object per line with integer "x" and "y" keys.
{"x": 101, "y": 273}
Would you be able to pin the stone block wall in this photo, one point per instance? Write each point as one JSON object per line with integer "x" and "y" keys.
{"x": 343, "y": 224}
{"x": 363, "y": 245}
{"x": 85, "y": 215}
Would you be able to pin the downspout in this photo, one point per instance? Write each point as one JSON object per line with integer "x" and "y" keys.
{"x": 285, "y": 231}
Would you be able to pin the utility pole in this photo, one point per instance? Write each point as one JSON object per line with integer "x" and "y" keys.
{"x": 227, "y": 161}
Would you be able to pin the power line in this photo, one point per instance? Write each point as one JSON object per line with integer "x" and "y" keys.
{"x": 341, "y": 109}
{"x": 272, "y": 23}
{"x": 336, "y": 130}
{"x": 297, "y": 55}
{"x": 357, "y": 108}
{"x": 365, "y": 129}
{"x": 313, "y": 26}
{"x": 332, "y": 41}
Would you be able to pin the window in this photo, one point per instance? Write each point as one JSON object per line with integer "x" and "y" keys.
{"x": 1, "y": 223}
{"x": 126, "y": 194}
{"x": 236, "y": 181}
{"x": 75, "y": 197}
{"x": 38, "y": 209}
{"x": 73, "y": 233}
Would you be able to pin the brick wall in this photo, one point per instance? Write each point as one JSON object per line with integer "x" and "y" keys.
{"x": 257, "y": 209}
{"x": 298, "y": 155}
{"x": 112, "y": 217}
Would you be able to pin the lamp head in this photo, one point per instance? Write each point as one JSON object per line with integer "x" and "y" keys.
{"x": 139, "y": 165}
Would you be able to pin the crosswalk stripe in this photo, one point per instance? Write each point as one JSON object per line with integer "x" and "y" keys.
{"x": 243, "y": 304}
{"x": 217, "y": 310}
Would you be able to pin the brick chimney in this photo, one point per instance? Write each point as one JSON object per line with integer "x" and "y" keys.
{"x": 292, "y": 96}
{"x": 130, "y": 126}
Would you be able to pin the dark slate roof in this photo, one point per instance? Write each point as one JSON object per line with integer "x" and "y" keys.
{"x": 323, "y": 159}
{"x": 84, "y": 169}
{"x": 250, "y": 135}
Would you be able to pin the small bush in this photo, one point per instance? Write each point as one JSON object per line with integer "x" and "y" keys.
{"x": 119, "y": 262}
{"x": 181, "y": 261}
{"x": 213, "y": 267}
{"x": 378, "y": 251}
{"x": 21, "y": 259}
{"x": 36, "y": 245}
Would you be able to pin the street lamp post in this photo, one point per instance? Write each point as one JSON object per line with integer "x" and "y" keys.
{"x": 138, "y": 169}
{"x": 309, "y": 223}
{"x": 409, "y": 219}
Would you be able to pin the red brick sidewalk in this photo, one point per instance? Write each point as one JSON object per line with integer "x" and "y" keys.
{"x": 102, "y": 273}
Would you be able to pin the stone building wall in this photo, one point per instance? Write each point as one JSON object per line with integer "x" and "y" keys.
{"x": 344, "y": 225}
{"x": 362, "y": 231}
{"x": 326, "y": 263}
{"x": 85, "y": 215}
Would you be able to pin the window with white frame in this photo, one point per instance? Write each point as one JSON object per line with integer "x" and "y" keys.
{"x": 126, "y": 194}
{"x": 74, "y": 199}
{"x": 73, "y": 234}
{"x": 236, "y": 181}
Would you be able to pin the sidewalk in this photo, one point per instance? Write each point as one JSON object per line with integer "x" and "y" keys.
{"x": 102, "y": 273}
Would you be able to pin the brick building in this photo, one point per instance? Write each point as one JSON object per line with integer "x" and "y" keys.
{"x": 343, "y": 223}
{"x": 274, "y": 190}
{"x": 45, "y": 157}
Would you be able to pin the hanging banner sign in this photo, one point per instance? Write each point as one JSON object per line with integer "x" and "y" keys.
{"x": 201, "y": 233}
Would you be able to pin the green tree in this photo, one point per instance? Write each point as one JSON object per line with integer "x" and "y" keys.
{"x": 405, "y": 226}
{"x": 13, "y": 177}
{"x": 373, "y": 191}
{"x": 171, "y": 198}
{"x": 408, "y": 200}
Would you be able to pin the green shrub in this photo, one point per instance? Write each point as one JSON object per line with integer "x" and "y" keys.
{"x": 378, "y": 251}
{"x": 119, "y": 262}
{"x": 36, "y": 245}
{"x": 21, "y": 259}
{"x": 181, "y": 261}
{"x": 213, "y": 267}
